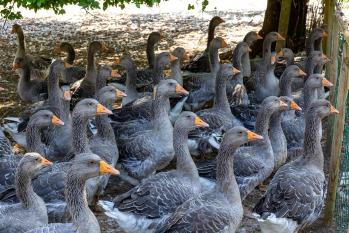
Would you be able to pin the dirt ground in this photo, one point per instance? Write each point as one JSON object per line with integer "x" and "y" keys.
{"x": 123, "y": 33}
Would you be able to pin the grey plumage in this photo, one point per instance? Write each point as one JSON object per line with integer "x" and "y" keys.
{"x": 85, "y": 166}
{"x": 297, "y": 191}
{"x": 31, "y": 211}
{"x": 219, "y": 210}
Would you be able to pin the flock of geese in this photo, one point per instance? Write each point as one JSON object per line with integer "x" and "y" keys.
{"x": 75, "y": 140}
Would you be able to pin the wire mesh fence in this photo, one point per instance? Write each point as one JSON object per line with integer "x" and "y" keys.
{"x": 337, "y": 203}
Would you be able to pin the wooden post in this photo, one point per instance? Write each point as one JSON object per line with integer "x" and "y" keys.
{"x": 337, "y": 137}
{"x": 330, "y": 7}
{"x": 284, "y": 22}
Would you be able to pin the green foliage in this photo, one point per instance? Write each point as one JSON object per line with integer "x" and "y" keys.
{"x": 7, "y": 6}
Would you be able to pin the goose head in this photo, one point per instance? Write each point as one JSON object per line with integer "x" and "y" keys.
{"x": 318, "y": 33}
{"x": 272, "y": 104}
{"x": 317, "y": 81}
{"x": 218, "y": 43}
{"x": 273, "y": 36}
{"x": 106, "y": 73}
{"x": 89, "y": 165}
{"x": 125, "y": 62}
{"x": 33, "y": 162}
{"x": 215, "y": 21}
{"x": 227, "y": 71}
{"x": 89, "y": 108}
{"x": 97, "y": 46}
{"x": 109, "y": 94}
{"x": 164, "y": 59}
{"x": 45, "y": 118}
{"x": 238, "y": 136}
{"x": 322, "y": 108}
{"x": 190, "y": 121}
{"x": 180, "y": 53}
{"x": 291, "y": 104}
{"x": 251, "y": 37}
{"x": 169, "y": 88}
{"x": 16, "y": 28}
{"x": 155, "y": 37}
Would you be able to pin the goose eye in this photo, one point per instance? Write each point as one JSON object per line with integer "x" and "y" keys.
{"x": 92, "y": 162}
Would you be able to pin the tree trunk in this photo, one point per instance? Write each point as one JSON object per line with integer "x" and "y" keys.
{"x": 295, "y": 38}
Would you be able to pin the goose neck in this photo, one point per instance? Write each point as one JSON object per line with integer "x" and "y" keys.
{"x": 54, "y": 91}
{"x": 262, "y": 123}
{"x": 20, "y": 39}
{"x": 226, "y": 182}
{"x": 176, "y": 72}
{"x": 131, "y": 87}
{"x": 267, "y": 51}
{"x": 24, "y": 189}
{"x": 221, "y": 99}
{"x": 82, "y": 216}
{"x": 184, "y": 163}
{"x": 286, "y": 84}
{"x": 79, "y": 132}
{"x": 151, "y": 54}
{"x": 71, "y": 55}
{"x": 33, "y": 138}
{"x": 160, "y": 108}
{"x": 310, "y": 95}
{"x": 312, "y": 140}
{"x": 214, "y": 59}
{"x": 104, "y": 128}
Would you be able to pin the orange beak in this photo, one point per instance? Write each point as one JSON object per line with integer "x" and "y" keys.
{"x": 120, "y": 94}
{"x": 236, "y": 71}
{"x": 117, "y": 61}
{"x": 224, "y": 44}
{"x": 251, "y": 136}
{"x": 101, "y": 110}
{"x": 326, "y": 83}
{"x": 301, "y": 73}
{"x": 280, "y": 37}
{"x": 283, "y": 104}
{"x": 281, "y": 53}
{"x": 56, "y": 121}
{"x": 181, "y": 90}
{"x": 334, "y": 110}
{"x": 200, "y": 123}
{"x": 15, "y": 66}
{"x": 259, "y": 37}
{"x": 105, "y": 168}
{"x": 45, "y": 162}
{"x": 67, "y": 65}
{"x": 295, "y": 106}
{"x": 67, "y": 95}
{"x": 172, "y": 57}
{"x": 115, "y": 74}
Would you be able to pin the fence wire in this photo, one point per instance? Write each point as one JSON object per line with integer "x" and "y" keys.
{"x": 341, "y": 214}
